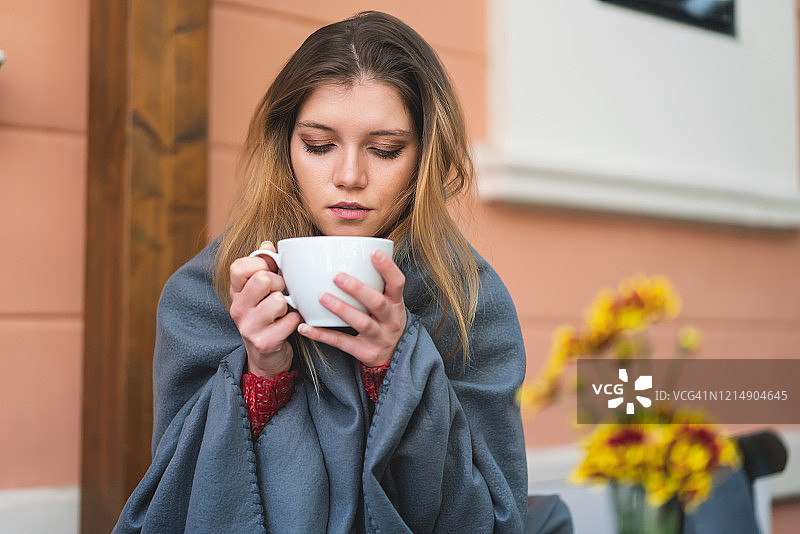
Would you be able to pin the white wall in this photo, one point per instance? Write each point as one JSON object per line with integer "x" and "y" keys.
{"x": 600, "y": 106}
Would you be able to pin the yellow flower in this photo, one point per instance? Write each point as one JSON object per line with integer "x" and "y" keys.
{"x": 671, "y": 454}
{"x": 565, "y": 344}
{"x": 660, "y": 487}
{"x": 669, "y": 460}
{"x": 631, "y": 318}
{"x": 729, "y": 453}
{"x": 656, "y": 295}
{"x": 695, "y": 489}
{"x": 614, "y": 323}
{"x": 613, "y": 452}
{"x": 601, "y": 316}
{"x": 689, "y": 340}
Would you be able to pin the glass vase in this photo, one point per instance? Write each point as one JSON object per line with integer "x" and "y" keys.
{"x": 636, "y": 516}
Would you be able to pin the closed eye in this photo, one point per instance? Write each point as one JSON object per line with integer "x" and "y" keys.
{"x": 318, "y": 149}
{"x": 386, "y": 154}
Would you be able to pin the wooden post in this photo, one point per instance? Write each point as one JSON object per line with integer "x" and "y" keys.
{"x": 146, "y": 215}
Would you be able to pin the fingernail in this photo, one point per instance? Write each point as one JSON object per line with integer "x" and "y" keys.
{"x": 303, "y": 328}
{"x": 341, "y": 280}
{"x": 325, "y": 298}
{"x": 265, "y": 244}
{"x": 379, "y": 255}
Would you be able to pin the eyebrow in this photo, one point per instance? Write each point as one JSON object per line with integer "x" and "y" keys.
{"x": 398, "y": 132}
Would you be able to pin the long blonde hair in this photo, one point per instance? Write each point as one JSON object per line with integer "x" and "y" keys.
{"x": 376, "y": 46}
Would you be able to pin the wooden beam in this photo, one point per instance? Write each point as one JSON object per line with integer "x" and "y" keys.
{"x": 146, "y": 215}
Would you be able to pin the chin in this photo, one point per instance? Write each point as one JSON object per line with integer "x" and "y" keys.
{"x": 334, "y": 228}
{"x": 347, "y": 232}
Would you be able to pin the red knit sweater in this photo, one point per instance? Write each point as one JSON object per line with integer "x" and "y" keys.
{"x": 264, "y": 396}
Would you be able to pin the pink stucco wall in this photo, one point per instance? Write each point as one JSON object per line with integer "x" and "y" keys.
{"x": 43, "y": 105}
{"x": 741, "y": 287}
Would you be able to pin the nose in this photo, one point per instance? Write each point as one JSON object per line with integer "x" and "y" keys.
{"x": 350, "y": 171}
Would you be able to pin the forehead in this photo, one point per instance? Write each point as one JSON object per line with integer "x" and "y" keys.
{"x": 366, "y": 104}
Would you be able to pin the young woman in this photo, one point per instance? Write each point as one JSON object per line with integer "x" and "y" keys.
{"x": 407, "y": 421}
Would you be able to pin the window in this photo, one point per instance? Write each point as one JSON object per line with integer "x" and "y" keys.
{"x": 598, "y": 107}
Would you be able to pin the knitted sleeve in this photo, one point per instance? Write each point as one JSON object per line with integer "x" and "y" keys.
{"x": 264, "y": 396}
{"x": 373, "y": 378}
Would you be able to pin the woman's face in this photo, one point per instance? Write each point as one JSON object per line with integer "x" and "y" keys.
{"x": 354, "y": 151}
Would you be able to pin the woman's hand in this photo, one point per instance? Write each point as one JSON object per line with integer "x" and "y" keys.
{"x": 378, "y": 332}
{"x": 259, "y": 310}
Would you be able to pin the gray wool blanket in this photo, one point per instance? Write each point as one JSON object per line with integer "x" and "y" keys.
{"x": 441, "y": 451}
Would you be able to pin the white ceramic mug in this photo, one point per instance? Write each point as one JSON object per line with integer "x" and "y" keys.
{"x": 309, "y": 264}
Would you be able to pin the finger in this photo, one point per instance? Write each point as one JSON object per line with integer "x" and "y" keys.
{"x": 270, "y": 338}
{"x": 359, "y": 320}
{"x": 273, "y": 307}
{"x": 258, "y": 287}
{"x": 271, "y": 264}
{"x": 344, "y": 342}
{"x": 286, "y": 325}
{"x": 242, "y": 269}
{"x": 393, "y": 277}
{"x": 374, "y": 301}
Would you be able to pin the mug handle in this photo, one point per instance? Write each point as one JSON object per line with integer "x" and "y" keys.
{"x": 277, "y": 257}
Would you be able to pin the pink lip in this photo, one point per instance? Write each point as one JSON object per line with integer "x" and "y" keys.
{"x": 349, "y": 210}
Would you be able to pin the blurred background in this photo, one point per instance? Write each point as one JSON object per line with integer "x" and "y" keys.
{"x": 608, "y": 142}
